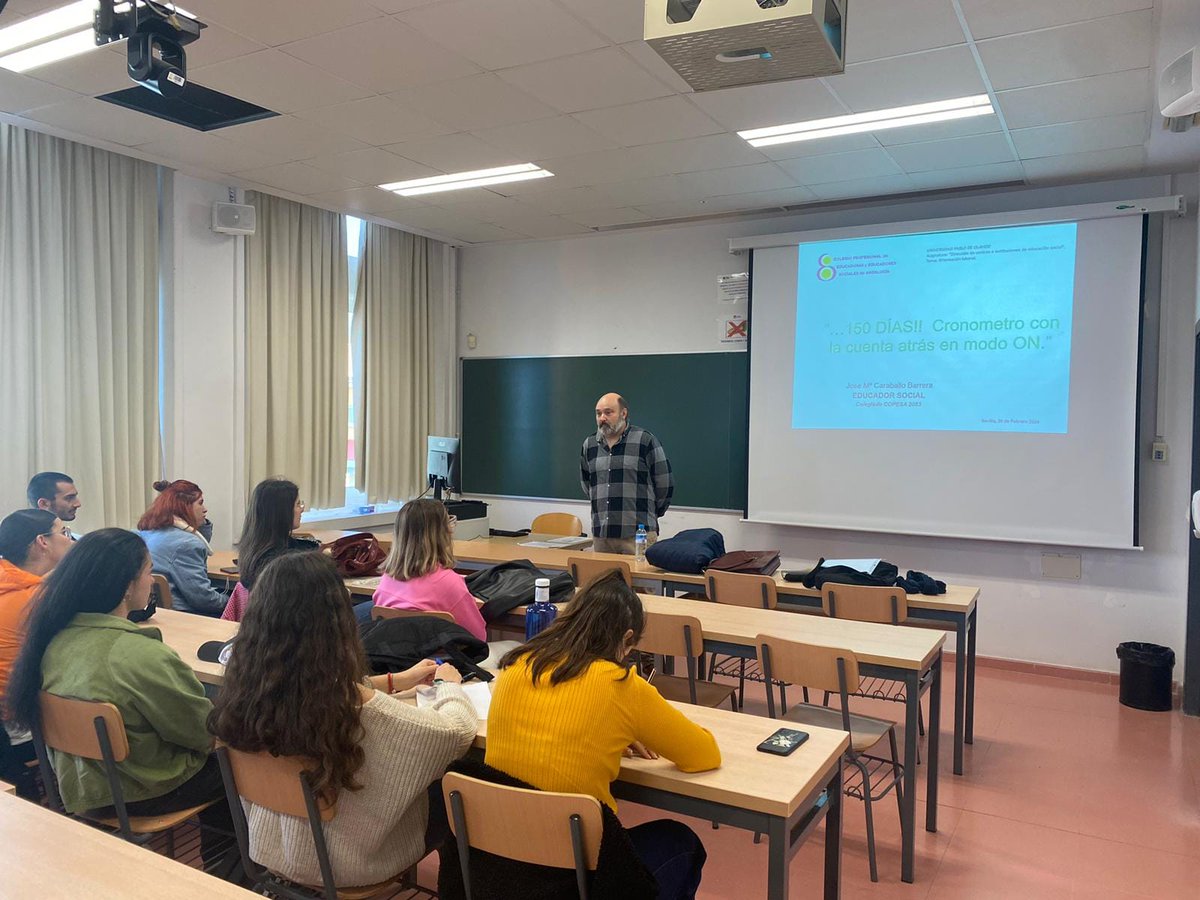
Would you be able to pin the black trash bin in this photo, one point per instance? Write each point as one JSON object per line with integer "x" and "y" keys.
{"x": 1146, "y": 675}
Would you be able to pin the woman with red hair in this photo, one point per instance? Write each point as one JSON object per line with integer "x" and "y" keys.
{"x": 173, "y": 528}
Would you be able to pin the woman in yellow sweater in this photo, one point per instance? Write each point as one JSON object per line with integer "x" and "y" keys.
{"x": 566, "y": 708}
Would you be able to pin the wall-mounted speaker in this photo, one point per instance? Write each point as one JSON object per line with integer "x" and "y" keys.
{"x": 233, "y": 218}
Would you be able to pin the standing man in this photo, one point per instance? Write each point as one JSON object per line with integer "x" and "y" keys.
{"x": 54, "y": 492}
{"x": 625, "y": 473}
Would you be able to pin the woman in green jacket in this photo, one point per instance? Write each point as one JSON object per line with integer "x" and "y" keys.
{"x": 81, "y": 644}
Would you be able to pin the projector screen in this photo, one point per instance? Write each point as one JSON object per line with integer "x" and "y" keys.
{"x": 979, "y": 382}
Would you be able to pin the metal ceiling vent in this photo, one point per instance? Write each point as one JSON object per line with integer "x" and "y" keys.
{"x": 715, "y": 44}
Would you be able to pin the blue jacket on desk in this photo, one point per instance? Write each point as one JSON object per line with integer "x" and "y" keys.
{"x": 182, "y": 556}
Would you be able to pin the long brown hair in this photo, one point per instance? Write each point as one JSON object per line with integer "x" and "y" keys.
{"x": 292, "y": 683}
{"x": 590, "y": 629}
{"x": 420, "y": 541}
{"x": 174, "y": 500}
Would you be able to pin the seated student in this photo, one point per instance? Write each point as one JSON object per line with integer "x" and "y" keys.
{"x": 273, "y": 514}
{"x": 32, "y": 541}
{"x": 419, "y": 571}
{"x": 381, "y": 756}
{"x": 54, "y": 492}
{"x": 178, "y": 550}
{"x": 566, "y": 707}
{"x": 80, "y": 644}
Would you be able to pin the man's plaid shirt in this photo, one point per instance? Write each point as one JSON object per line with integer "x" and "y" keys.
{"x": 629, "y": 485}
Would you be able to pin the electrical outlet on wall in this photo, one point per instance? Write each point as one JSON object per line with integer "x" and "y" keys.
{"x": 1158, "y": 451}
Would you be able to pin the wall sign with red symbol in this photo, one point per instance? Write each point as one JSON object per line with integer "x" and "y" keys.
{"x": 733, "y": 329}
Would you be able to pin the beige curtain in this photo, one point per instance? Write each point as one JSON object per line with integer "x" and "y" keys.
{"x": 405, "y": 370}
{"x": 78, "y": 323}
{"x": 297, "y": 365}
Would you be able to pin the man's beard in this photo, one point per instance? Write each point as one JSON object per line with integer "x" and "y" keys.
{"x": 606, "y": 430}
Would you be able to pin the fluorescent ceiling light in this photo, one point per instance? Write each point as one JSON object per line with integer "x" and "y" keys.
{"x": 460, "y": 180}
{"x": 878, "y": 120}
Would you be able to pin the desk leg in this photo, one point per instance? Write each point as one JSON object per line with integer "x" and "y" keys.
{"x": 833, "y": 836}
{"x": 972, "y": 629}
{"x": 777, "y": 859}
{"x": 931, "y": 762}
{"x": 908, "y": 812}
{"x": 960, "y": 691}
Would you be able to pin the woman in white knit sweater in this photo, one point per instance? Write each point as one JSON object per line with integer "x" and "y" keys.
{"x": 296, "y": 686}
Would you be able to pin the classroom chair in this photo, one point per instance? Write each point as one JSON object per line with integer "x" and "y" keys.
{"x": 388, "y": 612}
{"x": 836, "y": 670}
{"x": 585, "y": 568}
{"x": 161, "y": 592}
{"x": 537, "y": 827}
{"x": 864, "y": 603}
{"x": 754, "y": 592}
{"x": 668, "y": 634}
{"x": 280, "y": 784}
{"x": 564, "y": 524}
{"x": 94, "y": 730}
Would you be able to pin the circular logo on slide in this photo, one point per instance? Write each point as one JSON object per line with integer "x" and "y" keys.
{"x": 826, "y": 272}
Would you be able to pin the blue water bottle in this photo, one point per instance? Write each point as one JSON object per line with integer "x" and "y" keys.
{"x": 541, "y": 612}
{"x": 639, "y": 543}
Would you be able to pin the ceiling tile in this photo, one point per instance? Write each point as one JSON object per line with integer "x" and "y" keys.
{"x": 20, "y": 92}
{"x": 987, "y": 18}
{"x": 976, "y": 150}
{"x": 217, "y": 44}
{"x": 545, "y": 138}
{"x": 645, "y": 56}
{"x": 395, "y": 6}
{"x": 298, "y": 178}
{"x": 474, "y": 103}
{"x": 570, "y": 200}
{"x": 586, "y": 81}
{"x": 367, "y": 201}
{"x": 617, "y": 20}
{"x": 792, "y": 196}
{"x": 382, "y": 55}
{"x": 649, "y": 122}
{"x": 1081, "y": 98}
{"x": 881, "y": 186}
{"x": 1110, "y": 133}
{"x": 967, "y": 176}
{"x": 95, "y": 119}
{"x": 286, "y": 138}
{"x": 857, "y": 164}
{"x": 882, "y": 28}
{"x": 608, "y": 218}
{"x": 486, "y": 234}
{"x": 660, "y": 189}
{"x": 454, "y": 153}
{"x": 738, "y": 180}
{"x": 278, "y": 82}
{"x": 435, "y": 218}
{"x": 371, "y": 166}
{"x": 500, "y": 35}
{"x": 939, "y": 131}
{"x": 1072, "y": 51}
{"x": 904, "y": 80}
{"x": 764, "y": 105}
{"x": 93, "y": 73}
{"x": 1078, "y": 166}
{"x": 677, "y": 209}
{"x": 206, "y": 151}
{"x": 274, "y": 22}
{"x": 715, "y": 151}
{"x": 537, "y": 224}
{"x": 822, "y": 147}
{"x": 375, "y": 120}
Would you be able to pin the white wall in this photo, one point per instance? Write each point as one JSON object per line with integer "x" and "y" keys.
{"x": 653, "y": 290}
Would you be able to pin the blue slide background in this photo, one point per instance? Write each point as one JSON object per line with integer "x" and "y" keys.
{"x": 869, "y": 353}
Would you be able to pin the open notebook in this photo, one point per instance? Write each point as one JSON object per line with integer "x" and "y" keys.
{"x": 560, "y": 543}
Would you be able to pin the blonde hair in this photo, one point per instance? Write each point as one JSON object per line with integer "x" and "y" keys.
{"x": 420, "y": 541}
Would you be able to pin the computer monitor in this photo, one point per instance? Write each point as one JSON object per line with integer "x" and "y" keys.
{"x": 442, "y": 465}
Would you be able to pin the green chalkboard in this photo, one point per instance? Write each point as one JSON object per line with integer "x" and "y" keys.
{"x": 524, "y": 420}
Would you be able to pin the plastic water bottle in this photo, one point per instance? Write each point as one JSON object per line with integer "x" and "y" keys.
{"x": 639, "y": 543}
{"x": 541, "y": 612}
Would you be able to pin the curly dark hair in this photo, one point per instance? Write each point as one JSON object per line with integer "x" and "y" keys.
{"x": 292, "y": 684}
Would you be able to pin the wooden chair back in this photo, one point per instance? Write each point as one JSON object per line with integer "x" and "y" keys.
{"x": 865, "y": 603}
{"x": 162, "y": 592}
{"x": 388, "y": 612}
{"x": 808, "y": 665}
{"x": 525, "y": 825}
{"x": 69, "y": 726}
{"x": 585, "y": 568}
{"x": 668, "y": 634}
{"x": 735, "y": 589}
{"x": 564, "y": 524}
{"x": 273, "y": 782}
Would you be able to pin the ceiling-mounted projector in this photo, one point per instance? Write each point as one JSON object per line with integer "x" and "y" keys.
{"x": 156, "y": 36}
{"x": 716, "y": 44}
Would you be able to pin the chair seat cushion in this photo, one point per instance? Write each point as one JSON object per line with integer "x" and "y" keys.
{"x": 865, "y": 731}
{"x": 152, "y": 824}
{"x": 675, "y": 687}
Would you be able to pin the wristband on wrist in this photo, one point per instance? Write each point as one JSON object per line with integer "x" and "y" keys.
{"x": 439, "y": 681}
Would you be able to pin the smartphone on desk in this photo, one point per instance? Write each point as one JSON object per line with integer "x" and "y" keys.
{"x": 229, "y": 570}
{"x": 783, "y": 742}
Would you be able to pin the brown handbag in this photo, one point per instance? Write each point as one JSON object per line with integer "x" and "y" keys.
{"x": 356, "y": 555}
{"x": 747, "y": 562}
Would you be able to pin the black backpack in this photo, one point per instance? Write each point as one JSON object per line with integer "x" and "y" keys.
{"x": 508, "y": 585}
{"x": 393, "y": 645}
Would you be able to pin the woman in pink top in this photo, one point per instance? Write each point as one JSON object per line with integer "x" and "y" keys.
{"x": 419, "y": 572}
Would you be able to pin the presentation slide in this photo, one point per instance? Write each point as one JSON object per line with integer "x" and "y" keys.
{"x": 948, "y": 331}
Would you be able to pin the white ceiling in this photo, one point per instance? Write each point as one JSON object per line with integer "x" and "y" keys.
{"x": 375, "y": 91}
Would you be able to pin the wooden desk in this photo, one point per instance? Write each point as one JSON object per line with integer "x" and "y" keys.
{"x": 46, "y": 854}
{"x": 6, "y": 788}
{"x": 185, "y": 632}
